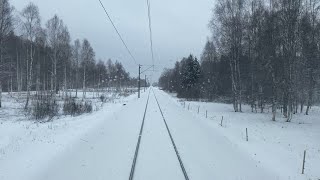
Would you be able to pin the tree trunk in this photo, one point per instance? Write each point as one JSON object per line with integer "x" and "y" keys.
{"x": 301, "y": 107}
{"x": 274, "y": 108}
{"x": 290, "y": 109}
{"x": 99, "y": 84}
{"x": 77, "y": 79}
{"x": 0, "y": 94}
{"x": 65, "y": 81}
{"x": 17, "y": 74}
{"x": 29, "y": 83}
{"x": 234, "y": 88}
{"x": 51, "y": 83}
{"x": 285, "y": 105}
{"x": 38, "y": 78}
{"x": 11, "y": 82}
{"x": 309, "y": 102}
{"x": 310, "y": 91}
{"x": 84, "y": 82}
{"x": 55, "y": 74}
{"x": 239, "y": 85}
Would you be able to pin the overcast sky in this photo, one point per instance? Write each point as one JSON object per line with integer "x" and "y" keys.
{"x": 180, "y": 27}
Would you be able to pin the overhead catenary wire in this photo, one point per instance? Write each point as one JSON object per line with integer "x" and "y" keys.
{"x": 123, "y": 42}
{"x": 150, "y": 29}
{"x": 147, "y": 69}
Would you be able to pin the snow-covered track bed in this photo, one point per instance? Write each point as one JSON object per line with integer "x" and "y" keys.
{"x": 156, "y": 154}
{"x": 172, "y": 140}
{"x": 139, "y": 141}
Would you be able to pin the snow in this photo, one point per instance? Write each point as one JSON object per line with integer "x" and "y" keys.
{"x": 105, "y": 152}
{"x": 157, "y": 159}
{"x": 206, "y": 153}
{"x": 276, "y": 146}
{"x": 101, "y": 145}
{"x": 29, "y": 148}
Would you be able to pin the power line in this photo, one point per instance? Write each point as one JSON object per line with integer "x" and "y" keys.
{"x": 150, "y": 29}
{"x": 147, "y": 69}
{"x": 118, "y": 33}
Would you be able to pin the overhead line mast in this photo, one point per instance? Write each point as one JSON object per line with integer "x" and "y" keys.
{"x": 126, "y": 46}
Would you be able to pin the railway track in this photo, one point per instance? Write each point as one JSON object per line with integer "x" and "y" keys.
{"x": 131, "y": 177}
{"x": 133, "y": 167}
{"x": 172, "y": 140}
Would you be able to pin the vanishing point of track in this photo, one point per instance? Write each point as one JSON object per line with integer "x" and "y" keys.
{"x": 131, "y": 177}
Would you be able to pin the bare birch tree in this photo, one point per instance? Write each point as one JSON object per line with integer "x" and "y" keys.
{"x": 87, "y": 58}
{"x": 54, "y": 26}
{"x": 76, "y": 62}
{"x": 229, "y": 29}
{"x": 5, "y": 29}
{"x": 65, "y": 55}
{"x": 31, "y": 24}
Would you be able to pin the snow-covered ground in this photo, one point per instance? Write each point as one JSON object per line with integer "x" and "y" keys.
{"x": 26, "y": 146}
{"x": 13, "y": 104}
{"x": 101, "y": 145}
{"x": 278, "y": 146}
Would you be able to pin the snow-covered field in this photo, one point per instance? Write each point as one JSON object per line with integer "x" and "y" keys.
{"x": 278, "y": 146}
{"x": 26, "y": 145}
{"x": 13, "y": 104}
{"x": 101, "y": 145}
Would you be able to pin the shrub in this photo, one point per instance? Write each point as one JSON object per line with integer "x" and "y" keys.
{"x": 71, "y": 107}
{"x": 87, "y": 107}
{"x": 103, "y": 98}
{"x": 44, "y": 107}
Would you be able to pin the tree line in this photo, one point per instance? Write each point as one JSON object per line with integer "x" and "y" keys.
{"x": 261, "y": 53}
{"x": 45, "y": 59}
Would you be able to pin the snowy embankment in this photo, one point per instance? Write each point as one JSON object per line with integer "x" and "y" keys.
{"x": 278, "y": 146}
{"x": 27, "y": 147}
{"x": 101, "y": 145}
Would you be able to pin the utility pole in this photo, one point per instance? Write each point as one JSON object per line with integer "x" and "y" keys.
{"x": 139, "y": 81}
{"x": 145, "y": 82}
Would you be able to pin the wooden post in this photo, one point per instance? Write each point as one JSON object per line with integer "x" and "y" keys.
{"x": 247, "y": 138}
{"x": 145, "y": 83}
{"x": 189, "y": 106}
{"x": 304, "y": 160}
{"x": 206, "y": 113}
{"x": 221, "y": 121}
{"x": 139, "y": 83}
{"x": 184, "y": 104}
{"x": 198, "y": 109}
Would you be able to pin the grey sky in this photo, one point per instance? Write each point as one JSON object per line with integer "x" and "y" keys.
{"x": 179, "y": 27}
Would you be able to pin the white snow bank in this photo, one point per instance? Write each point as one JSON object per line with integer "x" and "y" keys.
{"x": 26, "y": 147}
{"x": 277, "y": 146}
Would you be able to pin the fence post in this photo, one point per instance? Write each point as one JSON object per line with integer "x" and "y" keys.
{"x": 189, "y": 106}
{"x": 304, "y": 160}
{"x": 247, "y": 138}
{"x": 198, "y": 109}
{"x": 221, "y": 121}
{"x": 206, "y": 113}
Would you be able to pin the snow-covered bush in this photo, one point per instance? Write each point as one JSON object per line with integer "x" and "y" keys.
{"x": 103, "y": 98}
{"x": 72, "y": 107}
{"x": 87, "y": 107}
{"x": 43, "y": 107}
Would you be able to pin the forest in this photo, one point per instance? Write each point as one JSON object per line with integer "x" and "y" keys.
{"x": 262, "y": 53}
{"x": 41, "y": 57}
